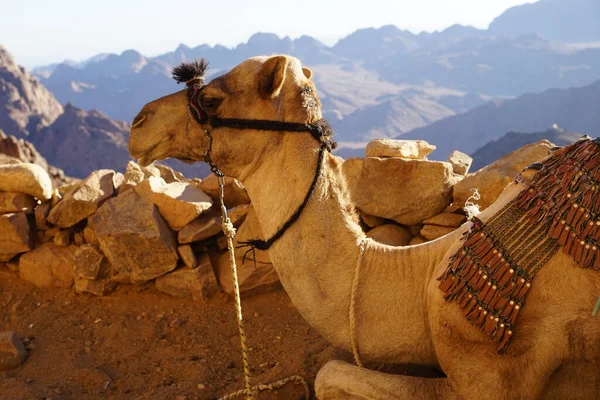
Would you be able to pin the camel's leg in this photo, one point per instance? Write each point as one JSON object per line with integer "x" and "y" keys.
{"x": 340, "y": 380}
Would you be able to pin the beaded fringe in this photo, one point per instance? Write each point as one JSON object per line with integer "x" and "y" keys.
{"x": 489, "y": 277}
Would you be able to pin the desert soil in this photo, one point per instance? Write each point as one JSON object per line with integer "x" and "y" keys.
{"x": 138, "y": 343}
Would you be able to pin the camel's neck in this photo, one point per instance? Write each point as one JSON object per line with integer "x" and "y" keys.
{"x": 317, "y": 256}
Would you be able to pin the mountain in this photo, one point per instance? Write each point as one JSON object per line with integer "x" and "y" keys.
{"x": 25, "y": 104}
{"x": 558, "y": 20}
{"x": 83, "y": 141}
{"x": 512, "y": 141}
{"x": 575, "y": 109}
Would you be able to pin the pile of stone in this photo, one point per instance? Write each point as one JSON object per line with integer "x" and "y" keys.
{"x": 154, "y": 224}
{"x": 405, "y": 199}
{"x": 150, "y": 224}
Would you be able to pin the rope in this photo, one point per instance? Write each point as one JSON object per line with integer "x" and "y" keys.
{"x": 352, "y": 311}
{"x": 230, "y": 231}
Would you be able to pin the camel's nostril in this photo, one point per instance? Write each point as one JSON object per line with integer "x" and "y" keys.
{"x": 138, "y": 120}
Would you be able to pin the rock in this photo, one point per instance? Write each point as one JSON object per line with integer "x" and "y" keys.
{"x": 48, "y": 265}
{"x": 187, "y": 256}
{"x": 370, "y": 220}
{"x": 169, "y": 174}
{"x": 90, "y": 263}
{"x": 447, "y": 219}
{"x": 460, "y": 162}
{"x": 63, "y": 238}
{"x": 133, "y": 176}
{"x": 203, "y": 227}
{"x": 16, "y": 235}
{"x": 89, "y": 235}
{"x": 41, "y": 216}
{"x": 83, "y": 200}
{"x": 26, "y": 178}
{"x": 412, "y": 149}
{"x": 199, "y": 283}
{"x": 16, "y": 202}
{"x": 100, "y": 287}
{"x": 432, "y": 232}
{"x": 12, "y": 351}
{"x": 417, "y": 240}
{"x": 253, "y": 278}
{"x": 390, "y": 234}
{"x": 135, "y": 238}
{"x": 179, "y": 202}
{"x": 235, "y": 193}
{"x": 490, "y": 181}
{"x": 407, "y": 191}
{"x": 237, "y": 215}
{"x": 51, "y": 232}
{"x": 78, "y": 239}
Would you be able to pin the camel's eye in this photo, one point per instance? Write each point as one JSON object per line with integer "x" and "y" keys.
{"x": 211, "y": 103}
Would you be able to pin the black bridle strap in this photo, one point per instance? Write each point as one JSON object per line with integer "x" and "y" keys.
{"x": 265, "y": 244}
{"x": 320, "y": 130}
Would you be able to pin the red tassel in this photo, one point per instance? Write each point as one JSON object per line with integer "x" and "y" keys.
{"x": 480, "y": 318}
{"x": 507, "y": 276}
{"x": 447, "y": 283}
{"x": 500, "y": 303}
{"x": 475, "y": 239}
{"x": 490, "y": 294}
{"x": 523, "y": 290}
{"x": 483, "y": 292}
{"x": 577, "y": 250}
{"x": 513, "y": 314}
{"x": 490, "y": 325}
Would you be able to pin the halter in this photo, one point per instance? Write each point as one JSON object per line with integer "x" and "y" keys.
{"x": 320, "y": 131}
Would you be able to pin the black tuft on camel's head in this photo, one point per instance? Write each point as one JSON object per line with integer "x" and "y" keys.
{"x": 191, "y": 72}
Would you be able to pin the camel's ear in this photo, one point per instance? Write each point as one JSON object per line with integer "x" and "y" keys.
{"x": 272, "y": 76}
{"x": 307, "y": 72}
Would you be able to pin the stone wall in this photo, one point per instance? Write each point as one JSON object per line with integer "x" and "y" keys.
{"x": 153, "y": 224}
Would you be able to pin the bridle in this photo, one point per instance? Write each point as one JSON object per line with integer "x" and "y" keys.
{"x": 320, "y": 131}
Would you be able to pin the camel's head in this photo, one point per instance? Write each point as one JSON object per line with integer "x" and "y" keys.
{"x": 273, "y": 88}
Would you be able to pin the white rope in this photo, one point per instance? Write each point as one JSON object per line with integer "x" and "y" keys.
{"x": 230, "y": 231}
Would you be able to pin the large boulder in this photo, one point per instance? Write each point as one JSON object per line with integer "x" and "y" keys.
{"x": 412, "y": 149}
{"x": 178, "y": 202}
{"x": 135, "y": 238}
{"x": 199, "y": 283}
{"x": 16, "y": 202}
{"x": 15, "y": 235}
{"x": 447, "y": 219}
{"x": 48, "y": 265}
{"x": 490, "y": 181}
{"x": 84, "y": 199}
{"x": 235, "y": 193}
{"x": 26, "y": 178}
{"x": 407, "y": 191}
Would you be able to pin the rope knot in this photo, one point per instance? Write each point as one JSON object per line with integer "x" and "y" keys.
{"x": 228, "y": 229}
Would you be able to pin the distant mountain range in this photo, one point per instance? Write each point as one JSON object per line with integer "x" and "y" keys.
{"x": 575, "y": 109}
{"x": 510, "y": 142}
{"x": 559, "y": 20}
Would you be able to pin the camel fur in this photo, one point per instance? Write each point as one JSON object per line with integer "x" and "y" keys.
{"x": 401, "y": 314}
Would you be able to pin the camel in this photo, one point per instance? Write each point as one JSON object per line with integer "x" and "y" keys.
{"x": 400, "y": 313}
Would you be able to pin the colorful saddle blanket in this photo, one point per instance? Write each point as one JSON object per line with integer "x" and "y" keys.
{"x": 489, "y": 277}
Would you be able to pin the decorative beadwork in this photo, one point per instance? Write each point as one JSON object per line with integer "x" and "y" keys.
{"x": 493, "y": 271}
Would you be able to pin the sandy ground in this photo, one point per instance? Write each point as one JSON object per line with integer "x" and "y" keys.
{"x": 138, "y": 343}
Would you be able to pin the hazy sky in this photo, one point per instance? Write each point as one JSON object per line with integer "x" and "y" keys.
{"x": 39, "y": 32}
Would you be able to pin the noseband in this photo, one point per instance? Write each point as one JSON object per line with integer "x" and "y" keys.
{"x": 320, "y": 131}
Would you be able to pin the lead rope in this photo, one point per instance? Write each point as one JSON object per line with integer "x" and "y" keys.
{"x": 229, "y": 231}
{"x": 352, "y": 309}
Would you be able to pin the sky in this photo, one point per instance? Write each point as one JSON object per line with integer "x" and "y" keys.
{"x": 40, "y": 32}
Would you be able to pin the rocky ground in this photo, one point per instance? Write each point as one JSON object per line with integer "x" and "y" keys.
{"x": 138, "y": 343}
